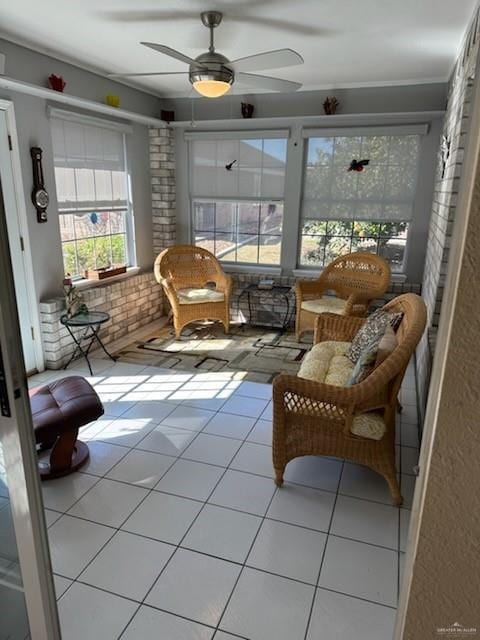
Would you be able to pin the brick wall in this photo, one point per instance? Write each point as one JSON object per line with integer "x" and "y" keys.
{"x": 455, "y": 131}
{"x": 132, "y": 303}
{"x": 162, "y": 169}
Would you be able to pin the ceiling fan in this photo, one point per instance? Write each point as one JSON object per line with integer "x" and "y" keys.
{"x": 212, "y": 74}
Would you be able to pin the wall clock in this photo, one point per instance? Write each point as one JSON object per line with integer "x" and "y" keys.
{"x": 40, "y": 197}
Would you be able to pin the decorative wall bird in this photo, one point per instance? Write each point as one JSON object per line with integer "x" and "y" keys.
{"x": 229, "y": 166}
{"x": 358, "y": 165}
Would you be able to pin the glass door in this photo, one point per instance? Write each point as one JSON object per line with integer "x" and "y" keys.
{"x": 27, "y": 600}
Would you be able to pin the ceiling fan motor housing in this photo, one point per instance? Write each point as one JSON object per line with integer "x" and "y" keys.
{"x": 212, "y": 66}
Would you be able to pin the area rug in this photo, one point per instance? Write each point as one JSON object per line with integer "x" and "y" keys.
{"x": 259, "y": 353}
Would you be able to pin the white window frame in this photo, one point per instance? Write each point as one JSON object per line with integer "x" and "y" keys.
{"x": 427, "y": 123}
{"x": 124, "y": 130}
{"x": 189, "y": 136}
{"x": 236, "y": 201}
{"x": 352, "y": 131}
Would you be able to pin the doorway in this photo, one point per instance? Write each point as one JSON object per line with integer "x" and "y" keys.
{"x": 16, "y": 219}
{"x": 27, "y": 601}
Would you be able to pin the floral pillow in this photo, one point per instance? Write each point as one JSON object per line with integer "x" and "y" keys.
{"x": 372, "y": 331}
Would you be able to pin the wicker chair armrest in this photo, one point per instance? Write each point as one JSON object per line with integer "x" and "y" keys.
{"x": 156, "y": 266}
{"x": 170, "y": 291}
{"x": 331, "y": 326}
{"x": 305, "y": 289}
{"x": 224, "y": 282}
{"x": 357, "y": 304}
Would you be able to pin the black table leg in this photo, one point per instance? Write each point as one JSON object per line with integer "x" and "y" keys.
{"x": 287, "y": 313}
{"x": 98, "y": 339}
{"x": 249, "y": 308}
{"x": 91, "y": 335}
{"x": 78, "y": 347}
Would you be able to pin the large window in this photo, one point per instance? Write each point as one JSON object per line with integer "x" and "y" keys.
{"x": 370, "y": 210}
{"x": 237, "y": 189}
{"x": 92, "y": 192}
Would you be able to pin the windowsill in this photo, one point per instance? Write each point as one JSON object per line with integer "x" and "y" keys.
{"x": 314, "y": 273}
{"x": 251, "y": 268}
{"x": 84, "y": 283}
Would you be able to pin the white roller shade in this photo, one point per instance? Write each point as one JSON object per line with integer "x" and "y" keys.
{"x": 258, "y": 169}
{"x": 90, "y": 167}
{"x": 385, "y": 190}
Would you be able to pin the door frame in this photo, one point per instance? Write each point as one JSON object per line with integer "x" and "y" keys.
{"x": 20, "y": 461}
{"x": 7, "y": 108}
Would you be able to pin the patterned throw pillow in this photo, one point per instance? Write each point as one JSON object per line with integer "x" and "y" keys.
{"x": 365, "y": 363}
{"x": 372, "y": 329}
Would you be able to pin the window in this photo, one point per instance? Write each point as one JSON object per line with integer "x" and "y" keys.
{"x": 92, "y": 192}
{"x": 237, "y": 189}
{"x": 345, "y": 211}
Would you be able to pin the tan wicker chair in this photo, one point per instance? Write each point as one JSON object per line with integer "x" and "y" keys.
{"x": 355, "y": 278}
{"x": 313, "y": 418}
{"x": 184, "y": 271}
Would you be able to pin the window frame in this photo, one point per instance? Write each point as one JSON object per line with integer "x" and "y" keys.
{"x": 427, "y": 124}
{"x": 309, "y": 133}
{"x": 351, "y": 237}
{"x": 236, "y": 202}
{"x": 221, "y": 136}
{"x": 127, "y": 208}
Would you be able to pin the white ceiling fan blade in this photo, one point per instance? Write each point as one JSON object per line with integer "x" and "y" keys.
{"x": 268, "y": 60}
{"x": 267, "y": 82}
{"x": 168, "y": 51}
{"x": 139, "y": 75}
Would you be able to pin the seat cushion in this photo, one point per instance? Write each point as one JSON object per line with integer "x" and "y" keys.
{"x": 326, "y": 362}
{"x": 369, "y": 425}
{"x": 63, "y": 405}
{"x": 325, "y": 304}
{"x": 196, "y": 296}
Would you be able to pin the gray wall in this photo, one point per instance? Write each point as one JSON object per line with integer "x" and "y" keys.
{"x": 421, "y": 97}
{"x": 34, "y": 130}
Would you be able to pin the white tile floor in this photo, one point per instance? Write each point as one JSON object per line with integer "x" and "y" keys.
{"x": 176, "y": 530}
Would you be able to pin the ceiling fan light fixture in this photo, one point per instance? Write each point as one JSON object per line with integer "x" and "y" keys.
{"x": 212, "y": 83}
{"x": 211, "y": 88}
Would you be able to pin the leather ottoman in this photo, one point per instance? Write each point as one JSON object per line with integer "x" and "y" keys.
{"x": 59, "y": 409}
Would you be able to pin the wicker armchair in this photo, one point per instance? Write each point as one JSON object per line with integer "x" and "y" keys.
{"x": 313, "y": 418}
{"x": 356, "y": 278}
{"x": 184, "y": 271}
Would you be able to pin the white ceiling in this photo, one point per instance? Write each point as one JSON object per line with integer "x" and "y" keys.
{"x": 344, "y": 42}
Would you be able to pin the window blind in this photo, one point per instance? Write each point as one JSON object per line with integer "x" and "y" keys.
{"x": 90, "y": 167}
{"x": 238, "y": 169}
{"x": 385, "y": 190}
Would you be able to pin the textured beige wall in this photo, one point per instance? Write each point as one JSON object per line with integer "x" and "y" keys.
{"x": 444, "y": 552}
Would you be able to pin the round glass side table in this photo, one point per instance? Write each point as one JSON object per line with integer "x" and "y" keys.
{"x": 90, "y": 323}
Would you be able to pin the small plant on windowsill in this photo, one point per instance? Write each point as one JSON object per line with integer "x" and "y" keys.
{"x": 73, "y": 300}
